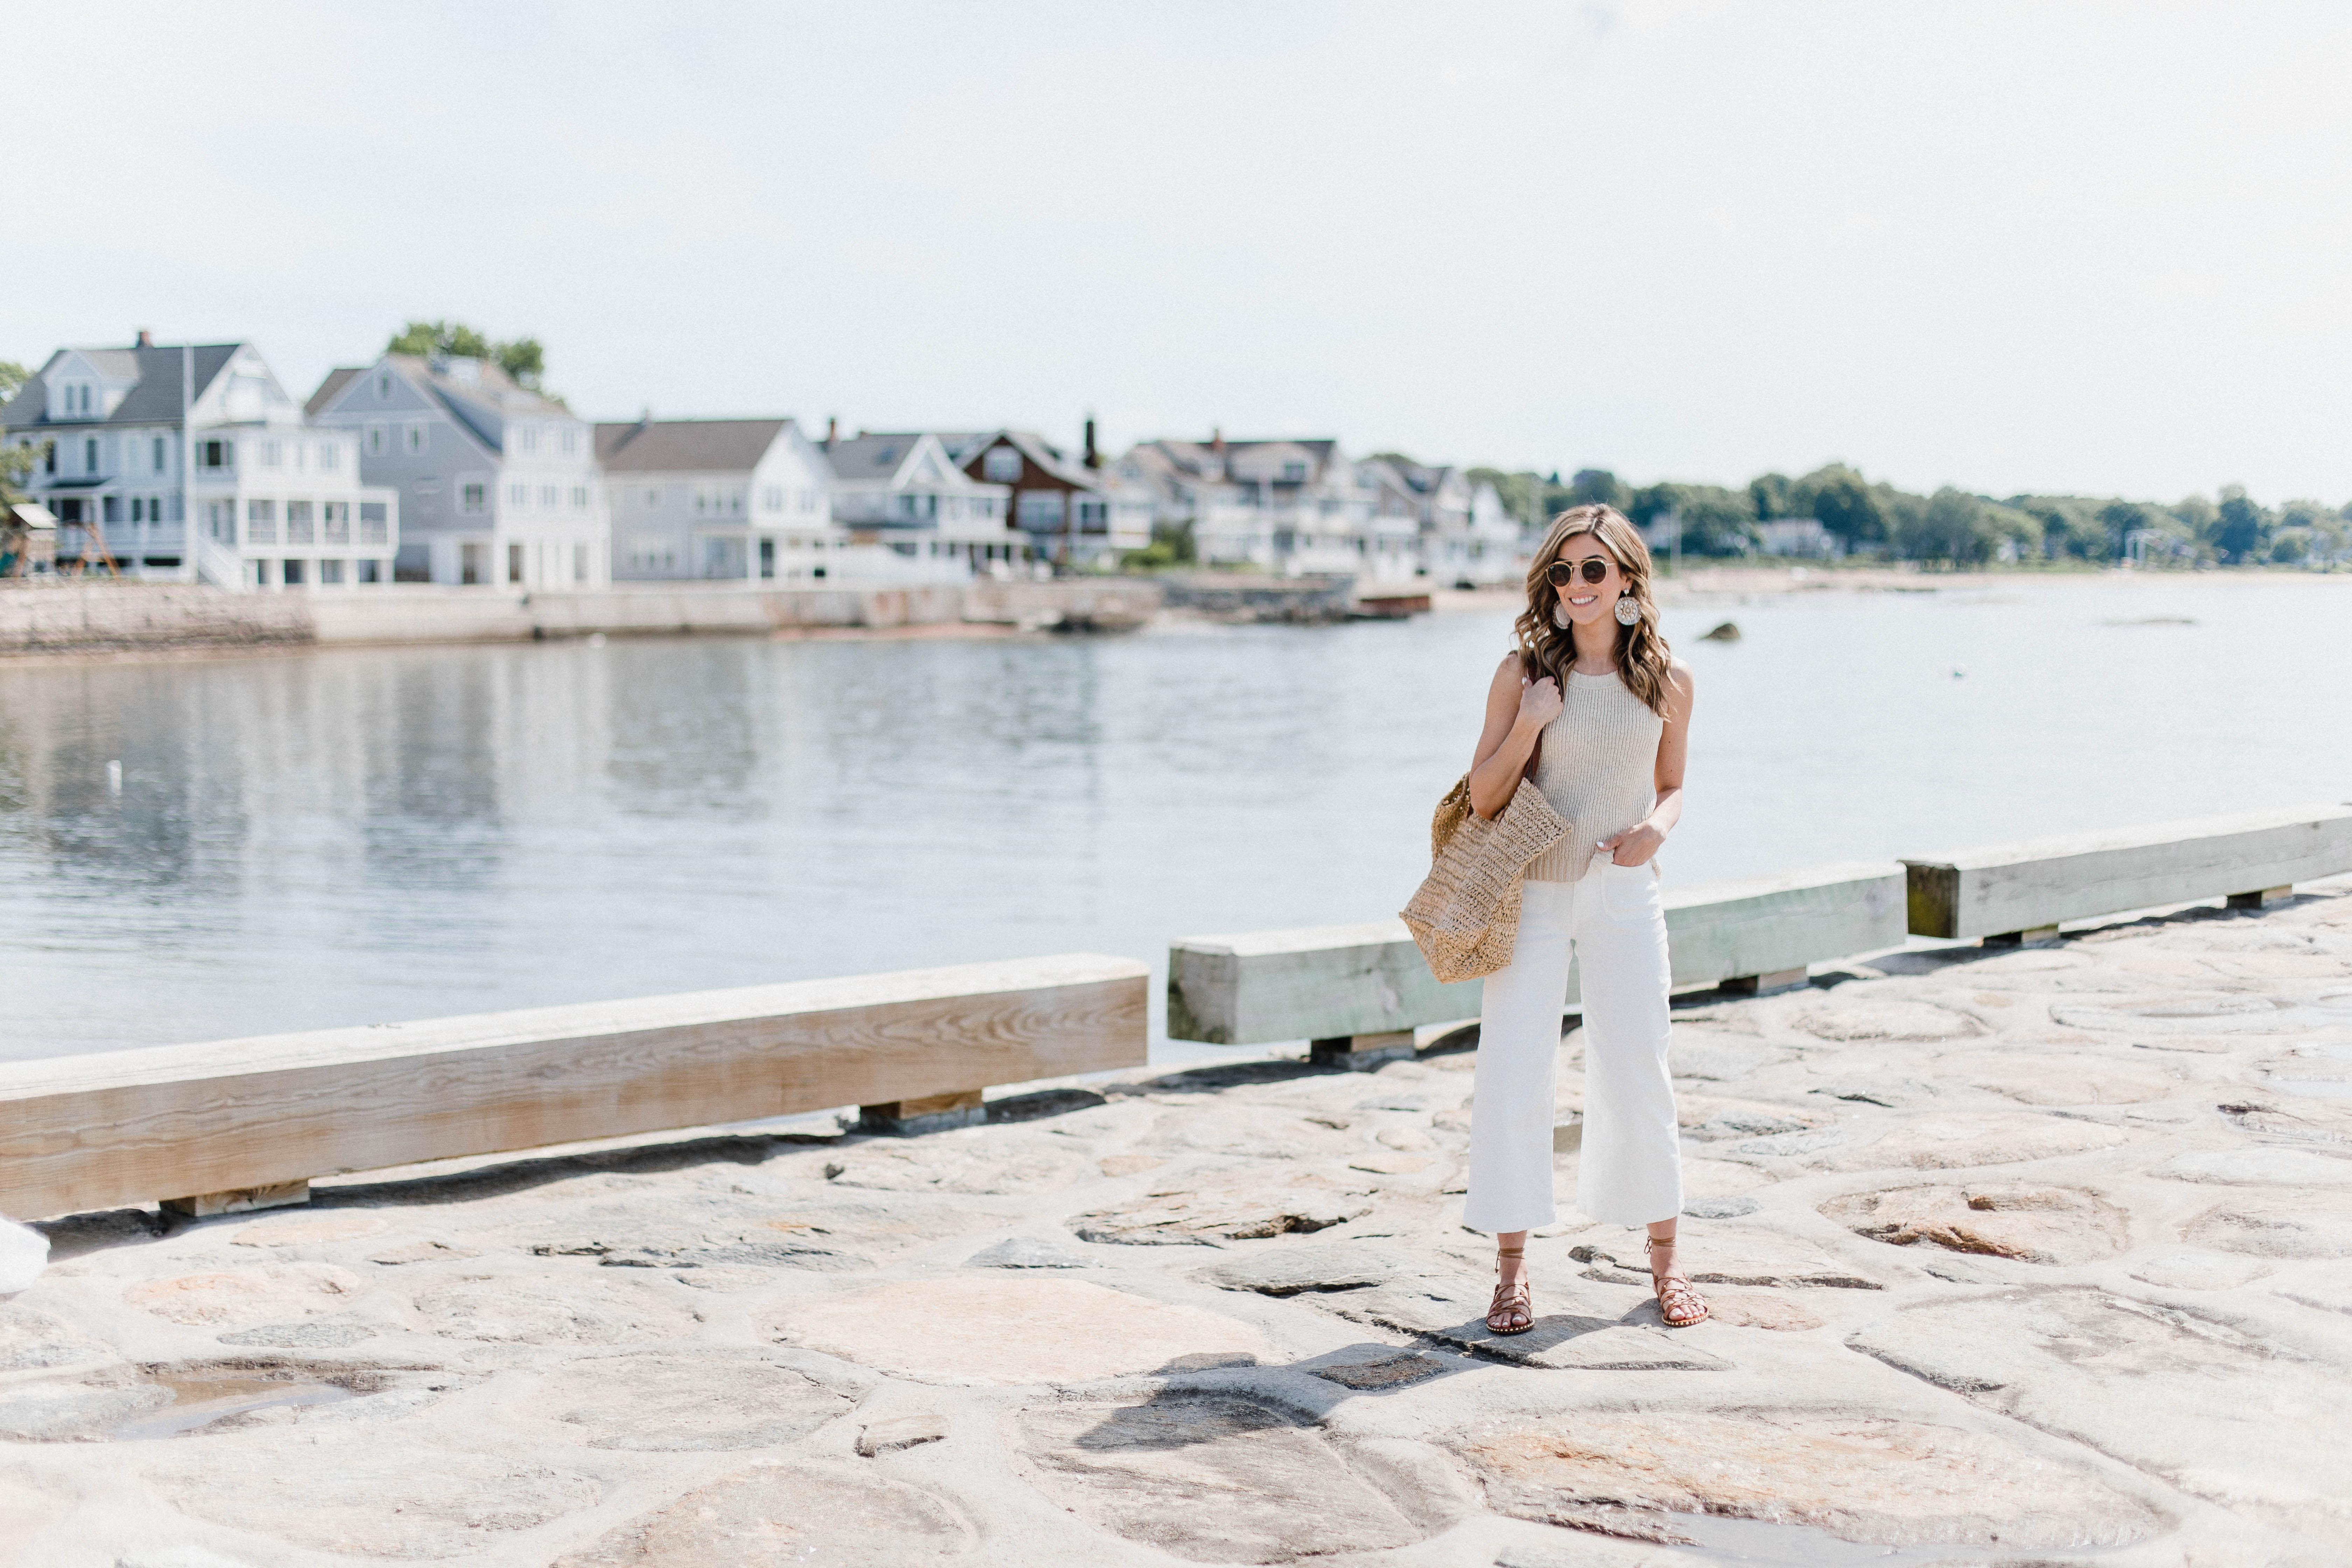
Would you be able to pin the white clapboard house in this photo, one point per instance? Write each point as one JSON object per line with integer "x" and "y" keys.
{"x": 498, "y": 484}
{"x": 190, "y": 462}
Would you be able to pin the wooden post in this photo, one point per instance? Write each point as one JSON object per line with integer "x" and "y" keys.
{"x": 2260, "y": 901}
{"x": 1361, "y": 1053}
{"x": 2032, "y": 936}
{"x": 239, "y": 1200}
{"x": 932, "y": 1113}
{"x": 1771, "y": 985}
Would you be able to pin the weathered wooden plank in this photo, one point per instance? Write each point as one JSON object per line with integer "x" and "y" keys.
{"x": 2005, "y": 888}
{"x": 90, "y": 1131}
{"x": 1312, "y": 982}
{"x": 1760, "y": 926}
{"x": 1326, "y": 982}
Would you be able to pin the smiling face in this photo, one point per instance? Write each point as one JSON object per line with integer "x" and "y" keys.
{"x": 1588, "y": 601}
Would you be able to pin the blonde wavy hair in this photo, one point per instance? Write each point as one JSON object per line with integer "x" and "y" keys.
{"x": 1547, "y": 647}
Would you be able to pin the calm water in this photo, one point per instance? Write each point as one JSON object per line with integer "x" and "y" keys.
{"x": 352, "y": 836}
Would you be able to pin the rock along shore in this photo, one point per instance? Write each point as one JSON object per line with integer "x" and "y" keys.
{"x": 2024, "y": 1257}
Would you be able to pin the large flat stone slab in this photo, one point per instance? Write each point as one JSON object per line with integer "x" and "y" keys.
{"x": 1858, "y": 1476}
{"x": 821, "y": 1515}
{"x": 679, "y": 1402}
{"x": 1012, "y": 1329}
{"x": 2207, "y": 1406}
{"x": 1208, "y": 1480}
{"x": 2033, "y": 1223}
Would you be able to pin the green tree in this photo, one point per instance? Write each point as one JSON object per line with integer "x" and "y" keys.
{"x": 2291, "y": 545}
{"x": 2122, "y": 519}
{"x": 1950, "y": 527}
{"x": 1847, "y": 505}
{"x": 16, "y": 462}
{"x": 522, "y": 358}
{"x": 1773, "y": 495}
{"x": 1596, "y": 486}
{"x": 2244, "y": 528}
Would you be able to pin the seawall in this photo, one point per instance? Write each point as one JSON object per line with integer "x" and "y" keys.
{"x": 112, "y": 617}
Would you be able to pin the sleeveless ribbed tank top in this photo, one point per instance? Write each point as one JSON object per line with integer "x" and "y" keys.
{"x": 1598, "y": 770}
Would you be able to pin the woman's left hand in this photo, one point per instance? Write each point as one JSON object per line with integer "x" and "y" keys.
{"x": 1637, "y": 846}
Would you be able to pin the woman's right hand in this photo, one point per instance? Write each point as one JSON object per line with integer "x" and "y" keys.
{"x": 1539, "y": 701}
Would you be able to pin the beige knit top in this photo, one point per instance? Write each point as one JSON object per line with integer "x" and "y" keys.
{"x": 1598, "y": 770}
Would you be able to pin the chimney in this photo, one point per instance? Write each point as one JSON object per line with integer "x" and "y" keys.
{"x": 146, "y": 339}
{"x": 1217, "y": 440}
{"x": 1093, "y": 461}
{"x": 832, "y": 431}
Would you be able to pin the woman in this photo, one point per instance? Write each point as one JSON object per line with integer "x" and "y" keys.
{"x": 1592, "y": 678}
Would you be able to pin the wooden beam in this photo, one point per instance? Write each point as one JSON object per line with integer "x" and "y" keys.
{"x": 1327, "y": 982}
{"x": 124, "y": 1127}
{"x": 2026, "y": 889}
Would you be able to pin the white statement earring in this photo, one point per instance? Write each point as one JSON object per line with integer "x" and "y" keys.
{"x": 1559, "y": 614}
{"x": 1628, "y": 612}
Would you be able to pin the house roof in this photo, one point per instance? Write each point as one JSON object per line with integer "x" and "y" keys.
{"x": 870, "y": 457}
{"x": 668, "y": 445}
{"x": 155, "y": 399}
{"x": 1045, "y": 456}
{"x": 337, "y": 379}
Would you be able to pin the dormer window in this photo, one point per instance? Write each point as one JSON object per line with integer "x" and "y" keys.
{"x": 1003, "y": 465}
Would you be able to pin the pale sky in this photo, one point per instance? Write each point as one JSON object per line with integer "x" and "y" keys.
{"x": 2012, "y": 246}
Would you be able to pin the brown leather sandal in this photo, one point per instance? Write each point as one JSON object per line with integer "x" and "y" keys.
{"x": 1514, "y": 1310}
{"x": 1679, "y": 1304}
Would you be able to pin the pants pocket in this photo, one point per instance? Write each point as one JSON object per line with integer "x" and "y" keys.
{"x": 1628, "y": 893}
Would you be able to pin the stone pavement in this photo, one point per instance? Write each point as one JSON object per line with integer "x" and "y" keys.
{"x": 2024, "y": 1257}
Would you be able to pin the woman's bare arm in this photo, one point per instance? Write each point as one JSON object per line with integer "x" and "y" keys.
{"x": 1639, "y": 844}
{"x": 1517, "y": 711}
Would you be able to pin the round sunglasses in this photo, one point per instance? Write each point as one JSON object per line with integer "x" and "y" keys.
{"x": 1561, "y": 573}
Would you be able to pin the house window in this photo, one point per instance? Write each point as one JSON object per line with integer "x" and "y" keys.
{"x": 580, "y": 563}
{"x": 298, "y": 523}
{"x": 373, "y": 522}
{"x": 371, "y": 571}
{"x": 331, "y": 572}
{"x": 261, "y": 522}
{"x": 159, "y": 454}
{"x": 215, "y": 454}
{"x": 470, "y": 563}
{"x": 293, "y": 576}
{"x": 90, "y": 456}
{"x": 808, "y": 501}
{"x": 416, "y": 437}
{"x": 1003, "y": 465}
{"x": 272, "y": 453}
{"x": 374, "y": 439}
{"x": 571, "y": 442}
{"x": 547, "y": 498}
{"x": 580, "y": 498}
{"x": 335, "y": 519}
{"x": 518, "y": 495}
{"x": 653, "y": 498}
{"x": 771, "y": 498}
{"x": 138, "y": 509}
{"x": 1040, "y": 510}
{"x": 1091, "y": 516}
{"x": 84, "y": 390}
{"x": 472, "y": 498}
{"x": 514, "y": 562}
{"x": 383, "y": 385}
{"x": 331, "y": 456}
{"x": 1293, "y": 473}
{"x": 526, "y": 439}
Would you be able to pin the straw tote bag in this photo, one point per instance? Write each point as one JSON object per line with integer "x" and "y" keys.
{"x": 1465, "y": 916}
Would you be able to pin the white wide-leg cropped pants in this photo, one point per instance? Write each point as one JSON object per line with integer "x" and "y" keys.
{"x": 1630, "y": 1169}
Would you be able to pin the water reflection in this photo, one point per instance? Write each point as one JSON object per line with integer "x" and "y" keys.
{"x": 362, "y": 834}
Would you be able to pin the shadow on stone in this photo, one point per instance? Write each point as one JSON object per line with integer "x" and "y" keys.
{"x": 1044, "y": 1103}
